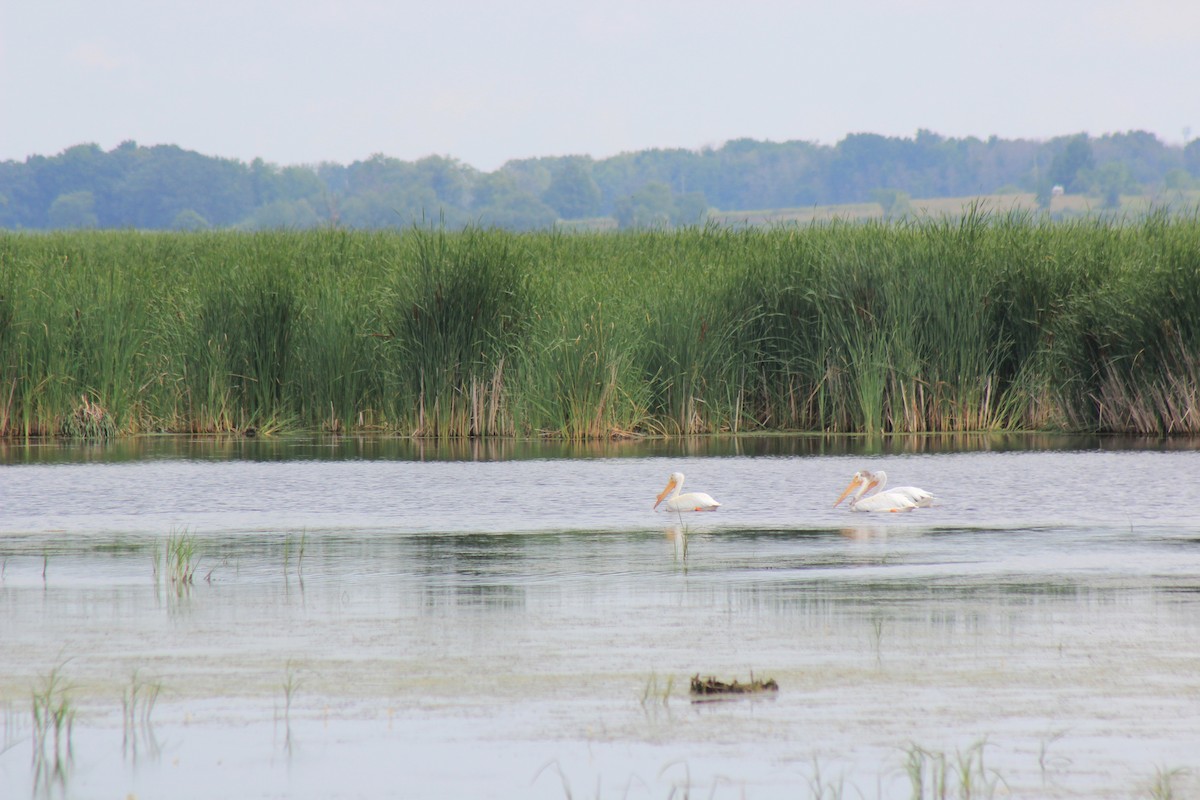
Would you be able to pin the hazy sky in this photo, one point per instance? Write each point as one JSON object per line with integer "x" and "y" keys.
{"x": 302, "y": 81}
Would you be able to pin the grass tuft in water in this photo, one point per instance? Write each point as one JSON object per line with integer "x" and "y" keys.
{"x": 291, "y": 683}
{"x": 934, "y": 775}
{"x": 1162, "y": 787}
{"x": 652, "y": 692}
{"x": 181, "y": 561}
{"x": 137, "y": 706}
{"x": 554, "y": 766}
{"x": 53, "y": 724}
{"x": 299, "y": 547}
{"x": 1048, "y": 762}
{"x": 820, "y": 789}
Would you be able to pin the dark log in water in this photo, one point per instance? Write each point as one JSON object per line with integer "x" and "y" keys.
{"x": 712, "y": 686}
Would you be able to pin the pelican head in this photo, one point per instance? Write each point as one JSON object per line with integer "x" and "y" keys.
{"x": 860, "y": 484}
{"x": 673, "y": 484}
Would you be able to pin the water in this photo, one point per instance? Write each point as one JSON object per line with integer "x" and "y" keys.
{"x": 372, "y": 618}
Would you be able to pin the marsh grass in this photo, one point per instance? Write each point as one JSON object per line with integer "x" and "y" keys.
{"x": 298, "y": 547}
{"x": 240, "y": 364}
{"x": 294, "y": 551}
{"x": 583, "y": 384}
{"x": 137, "y": 709}
{"x": 1048, "y": 762}
{"x": 679, "y": 540}
{"x": 554, "y": 766}
{"x": 981, "y": 323}
{"x": 14, "y": 730}
{"x": 291, "y": 684}
{"x": 179, "y": 561}
{"x": 1163, "y": 785}
{"x": 821, "y": 789}
{"x": 935, "y": 775}
{"x": 654, "y": 694}
{"x": 459, "y": 318}
{"x": 53, "y": 717}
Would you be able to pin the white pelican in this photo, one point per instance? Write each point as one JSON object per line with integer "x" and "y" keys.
{"x": 901, "y": 498}
{"x": 692, "y": 501}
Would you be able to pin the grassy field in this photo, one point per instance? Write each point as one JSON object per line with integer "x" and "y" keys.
{"x": 949, "y": 323}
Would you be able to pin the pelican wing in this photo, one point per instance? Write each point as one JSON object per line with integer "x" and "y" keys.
{"x": 890, "y": 500}
{"x": 692, "y": 501}
{"x": 919, "y": 497}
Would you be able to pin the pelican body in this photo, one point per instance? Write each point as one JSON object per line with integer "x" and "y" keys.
{"x": 900, "y": 498}
{"x": 691, "y": 501}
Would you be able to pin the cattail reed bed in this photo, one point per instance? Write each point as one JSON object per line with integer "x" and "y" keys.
{"x": 981, "y": 323}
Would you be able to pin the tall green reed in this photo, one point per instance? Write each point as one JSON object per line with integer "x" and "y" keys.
{"x": 238, "y": 357}
{"x": 1145, "y": 342}
{"x": 581, "y": 384}
{"x": 74, "y": 326}
{"x": 340, "y": 346}
{"x": 459, "y": 317}
{"x": 979, "y": 323}
{"x": 578, "y": 376}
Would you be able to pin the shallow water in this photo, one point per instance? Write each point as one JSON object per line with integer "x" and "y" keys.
{"x": 515, "y": 621}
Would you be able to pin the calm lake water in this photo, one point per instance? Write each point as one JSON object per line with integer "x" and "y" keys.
{"x": 374, "y": 618}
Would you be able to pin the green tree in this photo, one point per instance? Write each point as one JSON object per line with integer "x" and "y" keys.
{"x": 1178, "y": 180}
{"x": 1042, "y": 195}
{"x": 861, "y": 162}
{"x": 500, "y": 202}
{"x": 284, "y": 214}
{"x": 519, "y": 212}
{"x": 573, "y": 192}
{"x": 1070, "y": 166}
{"x": 1147, "y": 157}
{"x": 690, "y": 208}
{"x": 1191, "y": 158}
{"x": 272, "y": 184}
{"x": 894, "y": 202}
{"x": 155, "y": 187}
{"x": 161, "y": 181}
{"x": 1111, "y": 180}
{"x": 447, "y": 177}
{"x": 73, "y": 210}
{"x": 650, "y": 206}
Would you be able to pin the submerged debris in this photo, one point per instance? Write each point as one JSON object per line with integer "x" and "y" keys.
{"x": 712, "y": 686}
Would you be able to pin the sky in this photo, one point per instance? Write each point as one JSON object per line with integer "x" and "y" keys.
{"x": 306, "y": 81}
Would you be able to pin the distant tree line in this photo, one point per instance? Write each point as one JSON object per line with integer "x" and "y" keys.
{"x": 165, "y": 187}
